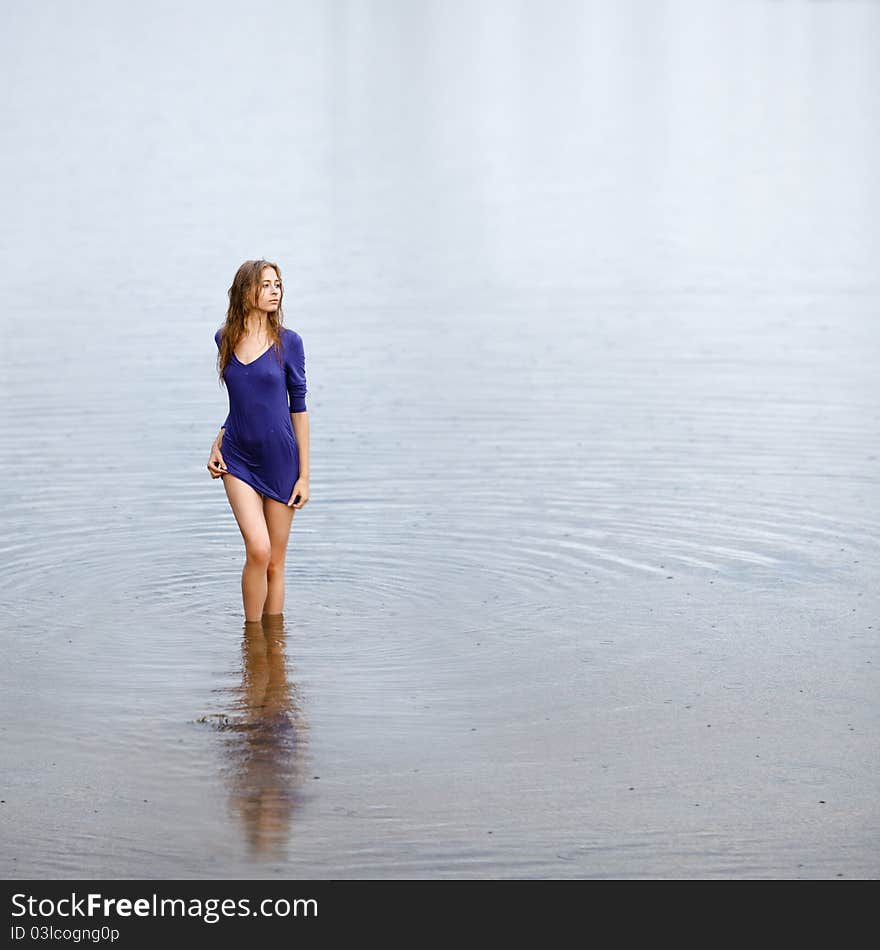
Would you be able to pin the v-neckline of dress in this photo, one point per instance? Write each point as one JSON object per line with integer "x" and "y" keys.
{"x": 269, "y": 347}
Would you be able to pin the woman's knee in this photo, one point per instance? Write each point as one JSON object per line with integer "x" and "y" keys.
{"x": 259, "y": 552}
{"x": 276, "y": 565}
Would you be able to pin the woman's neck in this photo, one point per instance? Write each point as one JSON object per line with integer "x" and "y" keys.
{"x": 256, "y": 323}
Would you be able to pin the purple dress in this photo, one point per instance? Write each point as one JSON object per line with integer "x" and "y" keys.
{"x": 259, "y": 445}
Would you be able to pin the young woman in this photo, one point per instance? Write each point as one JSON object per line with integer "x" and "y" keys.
{"x": 262, "y": 449}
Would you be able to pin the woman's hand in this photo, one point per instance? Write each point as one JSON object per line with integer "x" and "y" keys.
{"x": 216, "y": 465}
{"x": 301, "y": 488}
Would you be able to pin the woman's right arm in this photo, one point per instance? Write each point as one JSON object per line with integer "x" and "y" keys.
{"x": 216, "y": 465}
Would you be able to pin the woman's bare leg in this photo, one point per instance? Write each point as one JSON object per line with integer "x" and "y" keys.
{"x": 278, "y": 519}
{"x": 247, "y": 506}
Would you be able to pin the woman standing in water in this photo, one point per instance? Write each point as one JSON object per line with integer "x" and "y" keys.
{"x": 262, "y": 449}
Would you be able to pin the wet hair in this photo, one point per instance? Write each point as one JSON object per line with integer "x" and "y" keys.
{"x": 243, "y": 296}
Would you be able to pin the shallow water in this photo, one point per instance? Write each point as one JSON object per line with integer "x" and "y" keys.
{"x": 587, "y": 584}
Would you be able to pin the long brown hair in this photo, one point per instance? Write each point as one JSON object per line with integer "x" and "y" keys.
{"x": 243, "y": 296}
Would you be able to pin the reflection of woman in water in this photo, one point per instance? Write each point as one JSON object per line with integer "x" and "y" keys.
{"x": 262, "y": 449}
{"x": 264, "y": 735}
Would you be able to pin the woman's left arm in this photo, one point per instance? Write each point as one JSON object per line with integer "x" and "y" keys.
{"x": 295, "y": 372}
{"x": 300, "y": 422}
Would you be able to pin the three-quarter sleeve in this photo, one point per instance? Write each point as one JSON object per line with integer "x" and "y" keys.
{"x": 295, "y": 371}
{"x": 217, "y": 336}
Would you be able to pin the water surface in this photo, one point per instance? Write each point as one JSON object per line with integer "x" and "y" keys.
{"x": 587, "y": 586}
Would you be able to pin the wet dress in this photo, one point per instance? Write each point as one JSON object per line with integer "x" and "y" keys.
{"x": 259, "y": 445}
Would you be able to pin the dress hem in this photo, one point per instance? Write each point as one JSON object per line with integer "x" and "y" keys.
{"x": 259, "y": 491}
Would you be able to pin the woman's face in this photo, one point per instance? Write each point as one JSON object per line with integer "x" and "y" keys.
{"x": 269, "y": 290}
